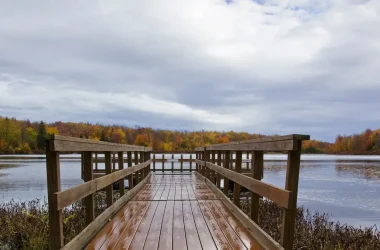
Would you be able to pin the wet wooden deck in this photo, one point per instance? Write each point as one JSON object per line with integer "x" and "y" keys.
{"x": 174, "y": 212}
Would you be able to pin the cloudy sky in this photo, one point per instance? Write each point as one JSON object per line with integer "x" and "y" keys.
{"x": 276, "y": 66}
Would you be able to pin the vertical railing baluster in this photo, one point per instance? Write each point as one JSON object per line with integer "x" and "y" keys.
{"x": 237, "y": 186}
{"x": 109, "y": 188}
{"x": 130, "y": 179}
{"x": 120, "y": 159}
{"x": 96, "y": 161}
{"x": 257, "y": 170}
{"x": 220, "y": 164}
{"x": 172, "y": 162}
{"x": 136, "y": 161}
{"x": 88, "y": 176}
{"x": 163, "y": 162}
{"x": 212, "y": 172}
{"x": 113, "y": 162}
{"x": 207, "y": 159}
{"x": 154, "y": 162}
{"x": 291, "y": 184}
{"x": 142, "y": 171}
{"x": 191, "y": 163}
{"x": 53, "y": 186}
{"x": 226, "y": 183}
{"x": 181, "y": 163}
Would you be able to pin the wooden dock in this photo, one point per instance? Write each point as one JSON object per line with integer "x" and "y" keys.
{"x": 174, "y": 212}
{"x": 164, "y": 209}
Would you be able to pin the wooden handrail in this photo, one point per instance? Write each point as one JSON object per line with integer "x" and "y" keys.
{"x": 273, "y": 193}
{"x": 59, "y": 199}
{"x": 273, "y": 143}
{"x": 286, "y": 198}
{"x": 71, "y": 144}
{"x": 71, "y": 195}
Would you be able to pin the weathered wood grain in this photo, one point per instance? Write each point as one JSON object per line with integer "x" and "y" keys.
{"x": 277, "y": 195}
{"x": 84, "y": 237}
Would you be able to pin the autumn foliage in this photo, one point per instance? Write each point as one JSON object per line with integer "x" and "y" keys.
{"x": 19, "y": 136}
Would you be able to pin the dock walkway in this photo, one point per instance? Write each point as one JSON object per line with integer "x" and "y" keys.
{"x": 174, "y": 211}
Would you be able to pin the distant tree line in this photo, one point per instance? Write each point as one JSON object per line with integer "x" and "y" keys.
{"x": 24, "y": 137}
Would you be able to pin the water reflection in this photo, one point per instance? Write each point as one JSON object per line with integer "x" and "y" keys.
{"x": 369, "y": 170}
{"x": 346, "y": 187}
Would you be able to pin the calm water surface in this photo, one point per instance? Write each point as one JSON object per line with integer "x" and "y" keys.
{"x": 349, "y": 196}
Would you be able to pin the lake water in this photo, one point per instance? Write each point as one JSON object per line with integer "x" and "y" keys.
{"x": 328, "y": 183}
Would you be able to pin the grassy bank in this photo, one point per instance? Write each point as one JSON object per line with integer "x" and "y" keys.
{"x": 24, "y": 225}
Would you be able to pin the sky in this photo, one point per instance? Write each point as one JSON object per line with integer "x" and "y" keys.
{"x": 270, "y": 67}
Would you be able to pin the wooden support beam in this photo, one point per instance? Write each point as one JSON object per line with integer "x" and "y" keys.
{"x": 212, "y": 173}
{"x": 181, "y": 164}
{"x": 120, "y": 159}
{"x": 227, "y": 155}
{"x": 113, "y": 162}
{"x": 191, "y": 158}
{"x": 247, "y": 164}
{"x": 172, "y": 162}
{"x": 291, "y": 184}
{"x": 88, "y": 176}
{"x": 96, "y": 161}
{"x": 130, "y": 178}
{"x": 257, "y": 173}
{"x": 154, "y": 162}
{"x": 206, "y": 159}
{"x": 236, "y": 185}
{"x": 54, "y": 185}
{"x": 203, "y": 168}
{"x": 219, "y": 162}
{"x": 163, "y": 162}
{"x": 142, "y": 171}
{"x": 109, "y": 188}
{"x": 136, "y": 161}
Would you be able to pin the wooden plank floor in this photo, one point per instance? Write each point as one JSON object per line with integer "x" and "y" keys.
{"x": 174, "y": 212}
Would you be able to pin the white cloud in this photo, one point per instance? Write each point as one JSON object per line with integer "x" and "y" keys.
{"x": 264, "y": 68}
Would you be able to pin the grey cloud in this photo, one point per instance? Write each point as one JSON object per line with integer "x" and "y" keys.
{"x": 230, "y": 68}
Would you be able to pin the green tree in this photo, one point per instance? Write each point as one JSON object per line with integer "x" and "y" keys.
{"x": 42, "y": 135}
{"x": 103, "y": 135}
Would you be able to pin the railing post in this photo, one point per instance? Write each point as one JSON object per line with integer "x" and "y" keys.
{"x": 120, "y": 159}
{"x": 142, "y": 159}
{"x": 181, "y": 163}
{"x": 163, "y": 162}
{"x": 81, "y": 165}
{"x": 247, "y": 164}
{"x": 109, "y": 191}
{"x": 113, "y": 162}
{"x": 136, "y": 161}
{"x": 203, "y": 168}
{"x": 154, "y": 162}
{"x": 226, "y": 165}
{"x": 96, "y": 161}
{"x": 206, "y": 159}
{"x": 291, "y": 184}
{"x": 220, "y": 164}
{"x": 257, "y": 165}
{"x": 212, "y": 172}
{"x": 130, "y": 178}
{"x": 237, "y": 186}
{"x": 53, "y": 186}
{"x": 172, "y": 162}
{"x": 191, "y": 163}
{"x": 88, "y": 176}
{"x": 147, "y": 158}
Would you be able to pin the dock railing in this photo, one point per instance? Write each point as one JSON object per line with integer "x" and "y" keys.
{"x": 213, "y": 163}
{"x": 59, "y": 199}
